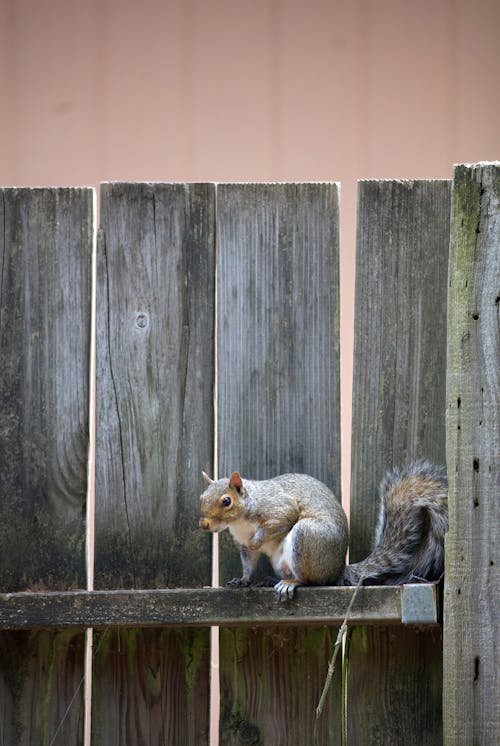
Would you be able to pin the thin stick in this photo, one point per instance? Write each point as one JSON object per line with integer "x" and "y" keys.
{"x": 336, "y": 648}
{"x": 61, "y": 723}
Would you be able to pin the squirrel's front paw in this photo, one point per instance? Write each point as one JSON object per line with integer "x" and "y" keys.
{"x": 238, "y": 583}
{"x": 255, "y": 543}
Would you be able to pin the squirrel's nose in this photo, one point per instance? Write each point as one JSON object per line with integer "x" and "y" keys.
{"x": 205, "y": 524}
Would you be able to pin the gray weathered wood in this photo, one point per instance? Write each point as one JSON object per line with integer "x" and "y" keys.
{"x": 400, "y": 338}
{"x": 154, "y": 684}
{"x": 46, "y": 250}
{"x": 278, "y": 335}
{"x": 151, "y": 686}
{"x": 41, "y": 687}
{"x": 155, "y": 358}
{"x": 213, "y": 606}
{"x": 278, "y": 397}
{"x": 394, "y": 686}
{"x": 472, "y": 595}
{"x": 45, "y": 245}
{"x": 271, "y": 684}
{"x": 398, "y": 415}
{"x": 278, "y": 408}
{"x": 155, "y": 378}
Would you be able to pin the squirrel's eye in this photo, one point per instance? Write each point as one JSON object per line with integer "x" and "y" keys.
{"x": 226, "y": 501}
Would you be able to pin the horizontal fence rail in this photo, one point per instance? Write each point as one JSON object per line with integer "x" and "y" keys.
{"x": 409, "y": 604}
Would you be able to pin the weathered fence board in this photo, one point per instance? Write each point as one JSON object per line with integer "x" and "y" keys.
{"x": 155, "y": 363}
{"x": 46, "y": 249}
{"x": 44, "y": 344}
{"x": 155, "y": 377}
{"x": 394, "y": 676}
{"x": 151, "y": 687}
{"x": 278, "y": 411}
{"x": 278, "y": 394}
{"x": 472, "y": 595}
{"x": 273, "y": 680}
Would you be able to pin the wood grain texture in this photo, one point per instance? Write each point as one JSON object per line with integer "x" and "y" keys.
{"x": 271, "y": 682}
{"x": 155, "y": 373}
{"x": 394, "y": 686}
{"x": 46, "y": 250}
{"x": 159, "y": 683}
{"x": 399, "y": 375}
{"x": 41, "y": 687}
{"x": 200, "y": 607}
{"x": 278, "y": 396}
{"x": 278, "y": 411}
{"x": 155, "y": 378}
{"x": 398, "y": 415}
{"x": 472, "y": 595}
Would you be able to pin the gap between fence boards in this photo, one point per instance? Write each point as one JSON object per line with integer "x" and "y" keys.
{"x": 201, "y": 607}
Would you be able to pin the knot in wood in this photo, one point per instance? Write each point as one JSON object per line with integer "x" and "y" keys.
{"x": 141, "y": 320}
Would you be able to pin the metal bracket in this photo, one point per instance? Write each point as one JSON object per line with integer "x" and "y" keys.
{"x": 419, "y": 603}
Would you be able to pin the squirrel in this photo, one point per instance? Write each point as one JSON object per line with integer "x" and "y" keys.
{"x": 294, "y": 519}
{"x": 412, "y": 522}
{"x": 298, "y": 523}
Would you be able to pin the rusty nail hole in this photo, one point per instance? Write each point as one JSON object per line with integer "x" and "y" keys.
{"x": 476, "y": 667}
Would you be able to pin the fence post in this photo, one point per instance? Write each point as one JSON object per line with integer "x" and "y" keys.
{"x": 394, "y": 674}
{"x": 155, "y": 377}
{"x": 471, "y": 597}
{"x": 46, "y": 246}
{"x": 278, "y": 411}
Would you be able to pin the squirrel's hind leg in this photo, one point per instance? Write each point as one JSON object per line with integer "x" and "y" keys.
{"x": 285, "y": 589}
{"x": 319, "y": 549}
{"x": 312, "y": 553}
{"x": 285, "y": 565}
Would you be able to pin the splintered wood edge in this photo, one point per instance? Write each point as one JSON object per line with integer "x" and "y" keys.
{"x": 202, "y": 607}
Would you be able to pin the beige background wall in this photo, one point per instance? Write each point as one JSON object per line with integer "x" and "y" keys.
{"x": 166, "y": 90}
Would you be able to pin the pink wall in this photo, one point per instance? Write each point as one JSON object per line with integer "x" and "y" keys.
{"x": 167, "y": 90}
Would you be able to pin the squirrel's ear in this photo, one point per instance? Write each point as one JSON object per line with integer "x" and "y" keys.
{"x": 207, "y": 478}
{"x": 236, "y": 481}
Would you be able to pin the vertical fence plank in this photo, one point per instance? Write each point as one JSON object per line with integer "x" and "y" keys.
{"x": 278, "y": 334}
{"x": 155, "y": 377}
{"x": 471, "y": 627}
{"x": 394, "y": 675}
{"x": 46, "y": 248}
{"x": 278, "y": 411}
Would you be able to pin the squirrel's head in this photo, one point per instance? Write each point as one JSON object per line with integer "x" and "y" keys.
{"x": 222, "y": 502}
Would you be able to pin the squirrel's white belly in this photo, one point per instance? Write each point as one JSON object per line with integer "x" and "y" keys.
{"x": 279, "y": 551}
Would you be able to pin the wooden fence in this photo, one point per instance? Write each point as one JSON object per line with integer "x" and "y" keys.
{"x": 230, "y": 293}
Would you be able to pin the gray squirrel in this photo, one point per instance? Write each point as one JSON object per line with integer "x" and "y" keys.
{"x": 300, "y": 525}
{"x": 294, "y": 519}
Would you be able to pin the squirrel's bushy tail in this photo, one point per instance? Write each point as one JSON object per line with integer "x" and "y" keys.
{"x": 413, "y": 520}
